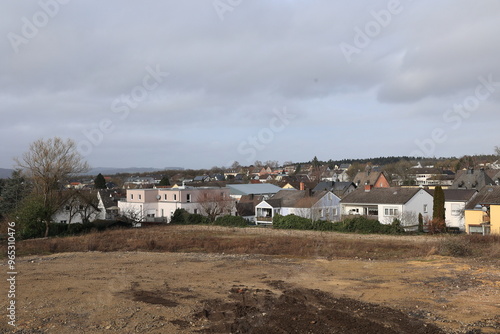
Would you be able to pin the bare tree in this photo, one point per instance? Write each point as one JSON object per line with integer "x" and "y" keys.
{"x": 272, "y": 163}
{"x": 49, "y": 163}
{"x": 214, "y": 203}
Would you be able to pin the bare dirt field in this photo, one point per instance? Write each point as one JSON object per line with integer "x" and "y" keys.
{"x": 196, "y": 292}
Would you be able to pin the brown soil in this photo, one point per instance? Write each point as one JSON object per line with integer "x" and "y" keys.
{"x": 149, "y": 292}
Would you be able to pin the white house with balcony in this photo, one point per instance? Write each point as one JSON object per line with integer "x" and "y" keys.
{"x": 386, "y": 204}
{"x": 320, "y": 205}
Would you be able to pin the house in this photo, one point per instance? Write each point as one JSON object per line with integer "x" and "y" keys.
{"x": 386, "y": 204}
{"x": 140, "y": 180}
{"x": 455, "y": 201}
{"x": 482, "y": 213}
{"x": 321, "y": 205}
{"x": 238, "y": 190}
{"x": 77, "y": 207}
{"x": 372, "y": 178}
{"x": 201, "y": 178}
{"x": 299, "y": 185}
{"x": 159, "y": 204}
{"x": 246, "y": 206}
{"x": 471, "y": 179}
{"x": 340, "y": 189}
{"x": 108, "y": 203}
{"x": 430, "y": 176}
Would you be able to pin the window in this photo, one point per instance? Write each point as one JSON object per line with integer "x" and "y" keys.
{"x": 175, "y": 197}
{"x": 334, "y": 211}
{"x": 67, "y": 207}
{"x": 131, "y": 196}
{"x": 195, "y": 211}
{"x": 390, "y": 211}
{"x": 165, "y": 196}
{"x": 140, "y": 196}
{"x": 63, "y": 221}
{"x": 425, "y": 208}
{"x": 188, "y": 198}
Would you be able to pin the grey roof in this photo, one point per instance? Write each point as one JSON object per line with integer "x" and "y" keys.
{"x": 253, "y": 188}
{"x": 391, "y": 195}
{"x": 487, "y": 195}
{"x": 289, "y": 198}
{"x": 368, "y": 177}
{"x": 456, "y": 195}
{"x": 471, "y": 179}
{"x": 110, "y": 197}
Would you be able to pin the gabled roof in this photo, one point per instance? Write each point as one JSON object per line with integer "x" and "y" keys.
{"x": 289, "y": 198}
{"x": 246, "y": 204}
{"x": 391, "y": 195}
{"x": 369, "y": 177}
{"x": 488, "y": 195}
{"x": 471, "y": 179}
{"x": 110, "y": 197}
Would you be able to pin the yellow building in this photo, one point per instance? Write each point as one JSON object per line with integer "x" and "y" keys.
{"x": 482, "y": 213}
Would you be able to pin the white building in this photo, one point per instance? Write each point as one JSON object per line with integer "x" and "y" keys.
{"x": 320, "y": 205}
{"x": 386, "y": 204}
{"x": 159, "y": 204}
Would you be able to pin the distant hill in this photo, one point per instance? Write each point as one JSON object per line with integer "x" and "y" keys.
{"x": 114, "y": 170}
{"x": 5, "y": 173}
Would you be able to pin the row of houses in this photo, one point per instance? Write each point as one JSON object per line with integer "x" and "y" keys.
{"x": 468, "y": 208}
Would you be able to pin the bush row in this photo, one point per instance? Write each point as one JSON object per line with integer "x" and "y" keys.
{"x": 182, "y": 217}
{"x": 355, "y": 225}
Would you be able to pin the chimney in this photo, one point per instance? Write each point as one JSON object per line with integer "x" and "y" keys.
{"x": 368, "y": 187}
{"x": 302, "y": 186}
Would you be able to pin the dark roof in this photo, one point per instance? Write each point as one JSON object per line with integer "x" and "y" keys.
{"x": 425, "y": 170}
{"x": 391, "y": 195}
{"x": 486, "y": 196}
{"x": 289, "y": 198}
{"x": 458, "y": 195}
{"x": 471, "y": 179}
{"x": 338, "y": 188}
{"x": 369, "y": 177}
{"x": 246, "y": 204}
{"x": 110, "y": 197}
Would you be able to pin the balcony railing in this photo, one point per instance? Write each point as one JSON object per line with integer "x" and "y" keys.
{"x": 265, "y": 219}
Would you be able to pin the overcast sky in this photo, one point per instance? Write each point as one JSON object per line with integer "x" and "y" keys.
{"x": 202, "y": 83}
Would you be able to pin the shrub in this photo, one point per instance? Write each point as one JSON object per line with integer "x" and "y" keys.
{"x": 228, "y": 220}
{"x": 455, "y": 246}
{"x": 180, "y": 216}
{"x": 292, "y": 222}
{"x": 436, "y": 225}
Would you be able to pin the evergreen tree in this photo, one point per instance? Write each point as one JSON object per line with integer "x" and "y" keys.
{"x": 164, "y": 181}
{"x": 420, "y": 223}
{"x": 100, "y": 182}
{"x": 438, "y": 210}
{"x": 14, "y": 190}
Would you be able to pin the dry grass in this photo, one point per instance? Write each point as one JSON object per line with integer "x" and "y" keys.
{"x": 266, "y": 241}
